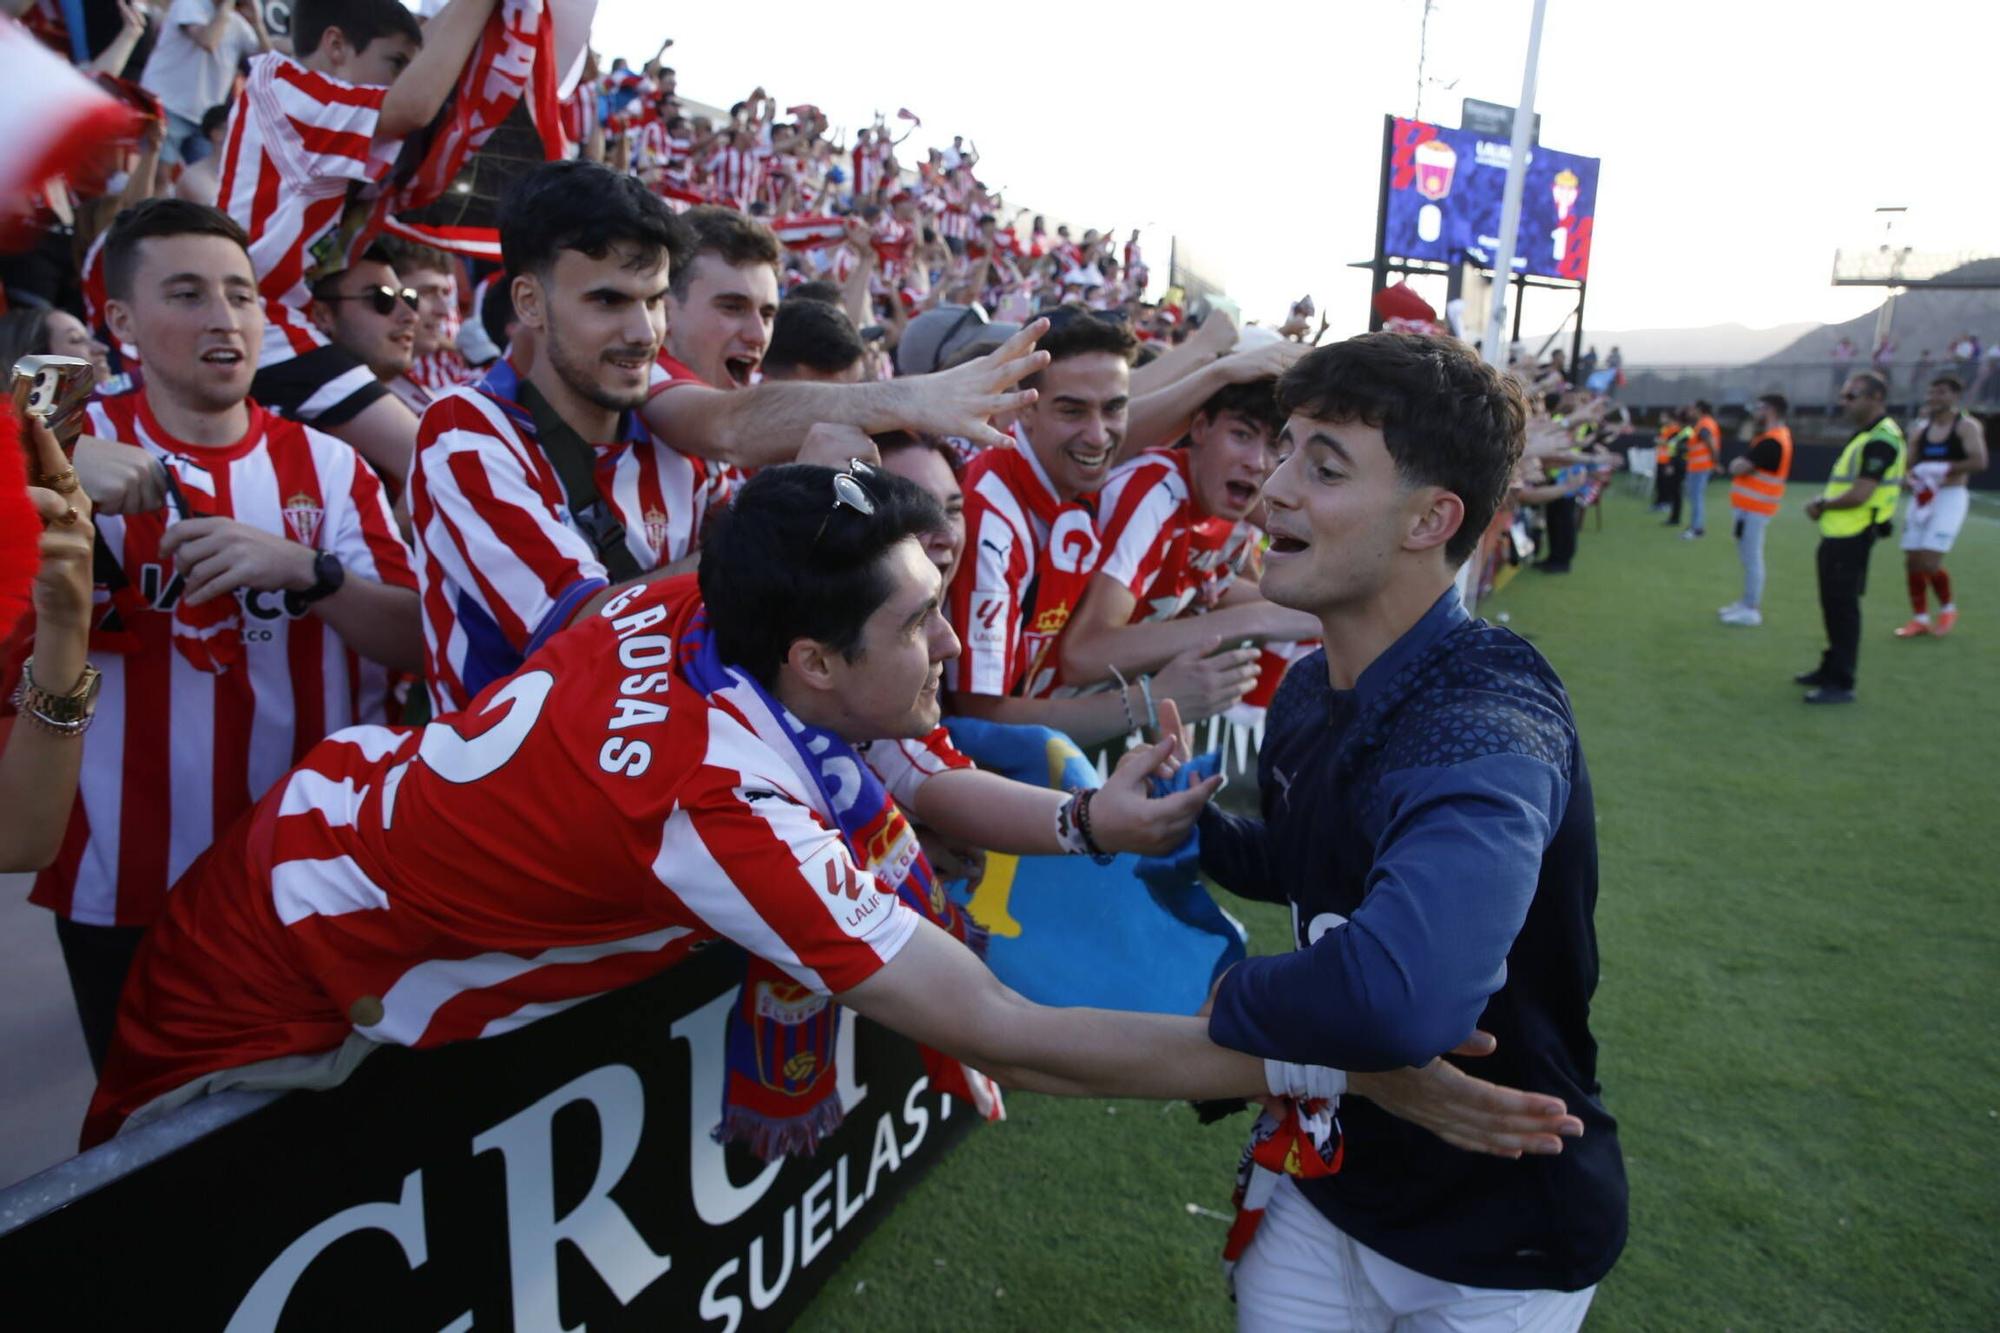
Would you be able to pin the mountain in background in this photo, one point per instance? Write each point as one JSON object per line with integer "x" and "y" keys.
{"x": 1925, "y": 318}
{"x": 1714, "y": 345}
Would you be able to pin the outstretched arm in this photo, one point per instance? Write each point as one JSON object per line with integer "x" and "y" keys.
{"x": 767, "y": 424}
{"x": 1072, "y": 1052}
{"x": 418, "y": 93}
{"x": 1002, "y": 815}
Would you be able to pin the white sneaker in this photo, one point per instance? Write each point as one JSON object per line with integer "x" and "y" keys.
{"x": 1730, "y": 610}
{"x": 1744, "y": 615}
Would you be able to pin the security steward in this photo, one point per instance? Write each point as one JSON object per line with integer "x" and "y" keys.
{"x": 1853, "y": 511}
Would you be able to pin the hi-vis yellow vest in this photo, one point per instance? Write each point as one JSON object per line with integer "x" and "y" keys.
{"x": 1847, "y": 470}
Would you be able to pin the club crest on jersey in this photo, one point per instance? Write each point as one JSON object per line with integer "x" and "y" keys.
{"x": 1052, "y": 620}
{"x": 655, "y": 522}
{"x": 303, "y": 516}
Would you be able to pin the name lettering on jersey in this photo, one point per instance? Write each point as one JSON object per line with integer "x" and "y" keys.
{"x": 649, "y": 659}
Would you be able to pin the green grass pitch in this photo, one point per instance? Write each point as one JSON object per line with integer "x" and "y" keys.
{"x": 1800, "y": 926}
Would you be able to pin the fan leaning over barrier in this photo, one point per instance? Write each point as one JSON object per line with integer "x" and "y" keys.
{"x": 681, "y": 766}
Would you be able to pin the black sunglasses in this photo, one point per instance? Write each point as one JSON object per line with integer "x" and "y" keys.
{"x": 848, "y": 493}
{"x": 382, "y": 298}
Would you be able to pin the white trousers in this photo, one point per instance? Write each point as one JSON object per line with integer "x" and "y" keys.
{"x": 1302, "y": 1272}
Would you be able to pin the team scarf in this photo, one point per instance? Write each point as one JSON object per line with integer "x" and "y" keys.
{"x": 1064, "y": 563}
{"x": 1292, "y": 1137}
{"x": 780, "y": 1093}
{"x": 805, "y": 231}
{"x": 208, "y": 637}
{"x": 515, "y": 58}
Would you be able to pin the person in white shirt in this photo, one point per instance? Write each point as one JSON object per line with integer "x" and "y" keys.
{"x": 194, "y": 62}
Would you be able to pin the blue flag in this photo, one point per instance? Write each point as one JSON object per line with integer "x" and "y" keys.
{"x": 1139, "y": 933}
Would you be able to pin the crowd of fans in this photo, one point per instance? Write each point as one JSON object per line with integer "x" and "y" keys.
{"x": 340, "y": 481}
{"x": 348, "y": 468}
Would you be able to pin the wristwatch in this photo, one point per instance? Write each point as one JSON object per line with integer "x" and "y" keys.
{"x": 328, "y": 575}
{"x": 66, "y": 714}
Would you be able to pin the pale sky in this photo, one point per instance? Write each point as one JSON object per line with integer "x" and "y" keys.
{"x": 1742, "y": 140}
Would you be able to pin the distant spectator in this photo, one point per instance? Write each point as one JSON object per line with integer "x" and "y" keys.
{"x": 202, "y": 182}
{"x": 1986, "y": 390}
{"x": 1844, "y": 352}
{"x": 370, "y": 313}
{"x": 1965, "y": 352}
{"x": 45, "y": 331}
{"x": 814, "y": 341}
{"x": 433, "y": 275}
{"x": 194, "y": 62}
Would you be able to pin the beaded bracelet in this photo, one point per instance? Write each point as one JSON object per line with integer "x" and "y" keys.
{"x": 1125, "y": 699}
{"x": 1091, "y": 849}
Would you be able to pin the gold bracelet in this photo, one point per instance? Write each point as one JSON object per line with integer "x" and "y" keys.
{"x": 67, "y": 714}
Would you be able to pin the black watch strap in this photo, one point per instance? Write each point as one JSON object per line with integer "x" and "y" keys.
{"x": 328, "y": 576}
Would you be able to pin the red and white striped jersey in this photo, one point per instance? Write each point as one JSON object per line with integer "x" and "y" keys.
{"x": 669, "y": 372}
{"x": 1010, "y": 507}
{"x": 589, "y": 821}
{"x": 1155, "y": 544}
{"x": 297, "y": 139}
{"x": 177, "y": 753}
{"x": 500, "y": 565}
{"x": 733, "y": 176}
{"x": 652, "y": 146}
{"x": 780, "y": 173}
{"x": 868, "y": 164}
{"x": 893, "y": 240}
{"x": 443, "y": 369}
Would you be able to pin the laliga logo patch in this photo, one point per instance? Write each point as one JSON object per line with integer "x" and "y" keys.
{"x": 986, "y": 630}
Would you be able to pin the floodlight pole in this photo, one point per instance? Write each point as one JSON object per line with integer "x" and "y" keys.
{"x": 1510, "y": 201}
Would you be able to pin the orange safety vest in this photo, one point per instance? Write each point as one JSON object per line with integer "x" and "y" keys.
{"x": 1663, "y": 447}
{"x": 1760, "y": 491}
{"x": 1701, "y": 450}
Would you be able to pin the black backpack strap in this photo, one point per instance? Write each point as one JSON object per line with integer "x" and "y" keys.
{"x": 575, "y": 464}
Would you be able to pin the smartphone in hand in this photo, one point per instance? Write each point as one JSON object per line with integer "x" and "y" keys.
{"x": 53, "y": 391}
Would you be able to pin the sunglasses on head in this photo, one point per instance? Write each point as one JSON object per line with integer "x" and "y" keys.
{"x": 1064, "y": 315}
{"x": 849, "y": 493}
{"x": 383, "y": 298}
